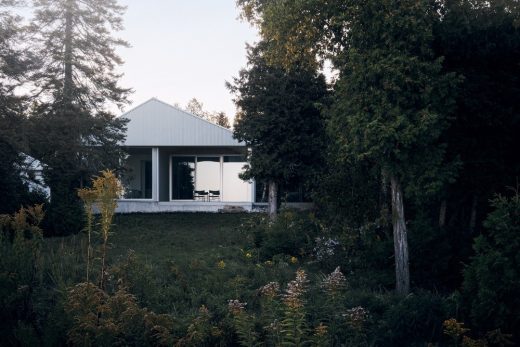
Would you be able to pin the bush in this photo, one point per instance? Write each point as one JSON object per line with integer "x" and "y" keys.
{"x": 20, "y": 273}
{"x": 291, "y": 234}
{"x": 491, "y": 288}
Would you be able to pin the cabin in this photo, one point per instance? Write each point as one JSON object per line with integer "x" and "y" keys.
{"x": 178, "y": 161}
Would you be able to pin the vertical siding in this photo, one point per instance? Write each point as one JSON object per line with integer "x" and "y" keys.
{"x": 155, "y": 123}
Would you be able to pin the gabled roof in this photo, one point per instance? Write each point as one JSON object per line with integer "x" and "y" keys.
{"x": 156, "y": 123}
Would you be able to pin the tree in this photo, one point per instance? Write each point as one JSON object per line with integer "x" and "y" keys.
{"x": 484, "y": 50}
{"x": 492, "y": 278}
{"x": 73, "y": 134}
{"x": 222, "y": 120}
{"x": 279, "y": 120}
{"x": 15, "y": 63}
{"x": 392, "y": 99}
{"x": 196, "y": 107}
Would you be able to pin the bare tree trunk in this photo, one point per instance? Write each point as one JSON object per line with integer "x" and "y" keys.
{"x": 273, "y": 200}
{"x": 67, "y": 80}
{"x": 473, "y": 216}
{"x": 442, "y": 213}
{"x": 383, "y": 198}
{"x": 402, "y": 271}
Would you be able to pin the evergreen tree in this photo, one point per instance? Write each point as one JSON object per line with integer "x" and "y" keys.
{"x": 15, "y": 63}
{"x": 392, "y": 98}
{"x": 73, "y": 135}
{"x": 279, "y": 120}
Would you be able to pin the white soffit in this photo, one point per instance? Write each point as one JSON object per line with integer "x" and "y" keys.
{"x": 156, "y": 123}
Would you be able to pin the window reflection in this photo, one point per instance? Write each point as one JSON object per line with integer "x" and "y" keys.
{"x": 207, "y": 178}
{"x": 233, "y": 187}
{"x": 137, "y": 179}
{"x": 208, "y": 174}
{"x": 183, "y": 175}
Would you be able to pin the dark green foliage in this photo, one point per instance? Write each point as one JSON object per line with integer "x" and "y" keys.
{"x": 20, "y": 274}
{"x": 492, "y": 279}
{"x": 292, "y": 234}
{"x": 71, "y": 132}
{"x": 480, "y": 41}
{"x": 279, "y": 119}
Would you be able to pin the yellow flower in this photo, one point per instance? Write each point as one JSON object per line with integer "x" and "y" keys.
{"x": 320, "y": 330}
{"x": 248, "y": 255}
{"x": 269, "y": 263}
{"x": 221, "y": 264}
{"x": 294, "y": 260}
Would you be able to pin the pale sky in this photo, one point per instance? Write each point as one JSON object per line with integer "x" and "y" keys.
{"x": 183, "y": 49}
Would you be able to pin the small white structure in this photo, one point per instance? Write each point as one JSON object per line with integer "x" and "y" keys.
{"x": 181, "y": 162}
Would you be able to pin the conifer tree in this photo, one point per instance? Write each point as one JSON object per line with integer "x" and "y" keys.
{"x": 15, "y": 63}
{"x": 73, "y": 133}
{"x": 279, "y": 121}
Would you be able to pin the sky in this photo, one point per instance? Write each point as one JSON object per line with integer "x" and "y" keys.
{"x": 182, "y": 49}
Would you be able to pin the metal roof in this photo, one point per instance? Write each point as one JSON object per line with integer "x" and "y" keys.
{"x": 156, "y": 123}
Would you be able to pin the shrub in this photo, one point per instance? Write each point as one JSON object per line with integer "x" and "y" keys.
{"x": 491, "y": 288}
{"x": 20, "y": 272}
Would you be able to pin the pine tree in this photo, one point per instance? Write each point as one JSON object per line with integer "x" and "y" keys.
{"x": 15, "y": 63}
{"x": 73, "y": 134}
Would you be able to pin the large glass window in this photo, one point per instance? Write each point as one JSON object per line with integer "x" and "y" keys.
{"x": 137, "y": 179}
{"x": 183, "y": 178}
{"x": 208, "y": 174}
{"x": 234, "y": 188}
{"x": 209, "y": 178}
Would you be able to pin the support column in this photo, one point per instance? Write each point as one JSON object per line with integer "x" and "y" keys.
{"x": 155, "y": 174}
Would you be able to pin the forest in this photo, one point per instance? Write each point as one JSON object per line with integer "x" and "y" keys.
{"x": 399, "y": 120}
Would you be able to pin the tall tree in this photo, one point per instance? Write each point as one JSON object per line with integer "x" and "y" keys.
{"x": 73, "y": 134}
{"x": 279, "y": 120}
{"x": 15, "y": 64}
{"x": 392, "y": 98}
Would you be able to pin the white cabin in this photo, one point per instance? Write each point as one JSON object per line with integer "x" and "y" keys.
{"x": 181, "y": 162}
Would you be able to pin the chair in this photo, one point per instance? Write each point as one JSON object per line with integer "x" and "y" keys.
{"x": 214, "y": 195}
{"x": 200, "y": 195}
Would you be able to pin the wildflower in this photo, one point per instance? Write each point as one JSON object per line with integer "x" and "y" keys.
{"x": 469, "y": 342}
{"x": 334, "y": 282}
{"x": 294, "y": 260}
{"x": 270, "y": 290}
{"x": 321, "y": 330}
{"x": 248, "y": 255}
{"x": 453, "y": 328}
{"x": 236, "y": 307}
{"x": 221, "y": 264}
{"x": 356, "y": 316}
{"x": 295, "y": 290}
{"x": 269, "y": 263}
{"x": 325, "y": 247}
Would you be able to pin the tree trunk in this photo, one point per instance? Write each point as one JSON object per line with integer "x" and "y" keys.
{"x": 383, "y": 199}
{"x": 442, "y": 213}
{"x": 402, "y": 271}
{"x": 68, "y": 79}
{"x": 273, "y": 200}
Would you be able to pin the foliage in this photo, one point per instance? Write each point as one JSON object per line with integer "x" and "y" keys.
{"x": 279, "y": 119}
{"x": 71, "y": 132}
{"x": 292, "y": 234}
{"x": 20, "y": 272}
{"x": 196, "y": 107}
{"x": 491, "y": 279}
{"x": 103, "y": 319}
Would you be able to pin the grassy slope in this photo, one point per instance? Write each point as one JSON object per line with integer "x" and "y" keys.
{"x": 174, "y": 267}
{"x": 162, "y": 236}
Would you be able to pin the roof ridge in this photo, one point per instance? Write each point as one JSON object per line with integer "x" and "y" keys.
{"x": 178, "y": 109}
